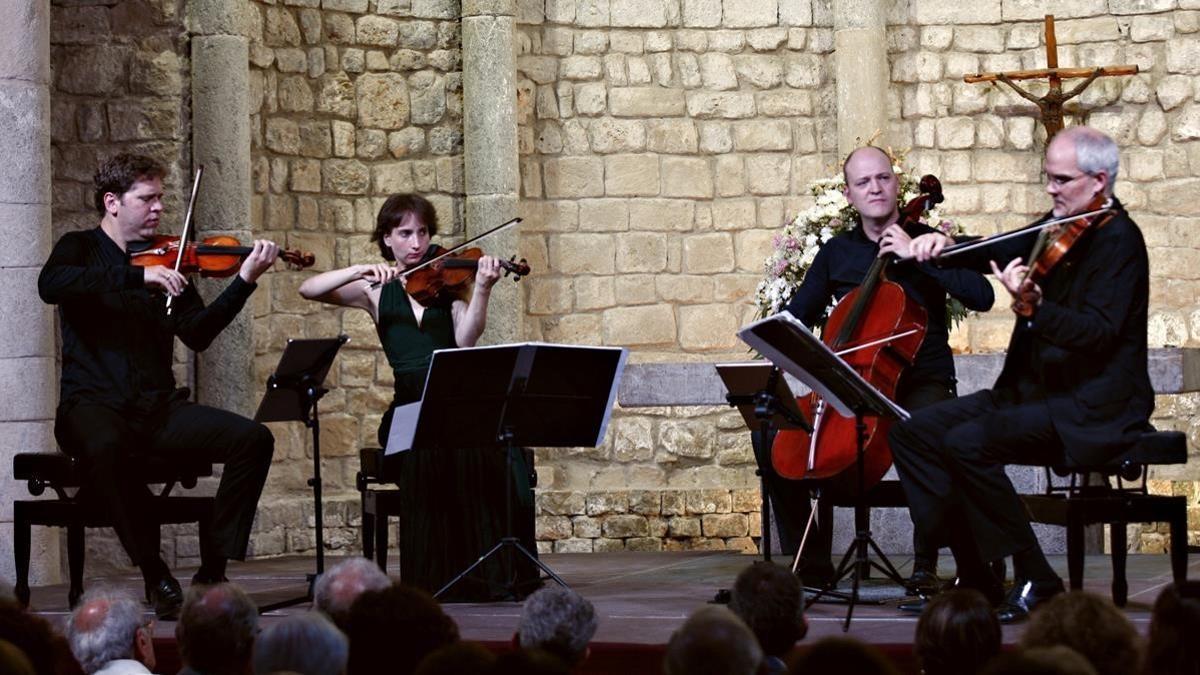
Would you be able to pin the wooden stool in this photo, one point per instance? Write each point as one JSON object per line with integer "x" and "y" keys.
{"x": 1082, "y": 503}
{"x": 377, "y": 505}
{"x": 61, "y": 472}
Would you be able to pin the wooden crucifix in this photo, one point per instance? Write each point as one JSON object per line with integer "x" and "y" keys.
{"x": 1051, "y": 104}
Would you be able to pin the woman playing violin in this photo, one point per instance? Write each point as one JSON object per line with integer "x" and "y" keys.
{"x": 454, "y": 502}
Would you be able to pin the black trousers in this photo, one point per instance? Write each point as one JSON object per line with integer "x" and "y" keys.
{"x": 790, "y": 498}
{"x": 109, "y": 442}
{"x": 951, "y": 459}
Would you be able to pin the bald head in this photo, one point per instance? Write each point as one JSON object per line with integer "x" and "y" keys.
{"x": 337, "y": 589}
{"x": 105, "y": 627}
{"x": 216, "y": 628}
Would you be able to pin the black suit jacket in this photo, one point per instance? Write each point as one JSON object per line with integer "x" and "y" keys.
{"x": 1084, "y": 350}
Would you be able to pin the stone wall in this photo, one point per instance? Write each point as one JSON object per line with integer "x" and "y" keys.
{"x": 350, "y": 101}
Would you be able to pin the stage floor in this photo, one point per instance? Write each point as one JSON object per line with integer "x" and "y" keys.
{"x": 641, "y": 598}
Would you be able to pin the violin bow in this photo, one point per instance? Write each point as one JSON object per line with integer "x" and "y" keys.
{"x": 450, "y": 251}
{"x": 1034, "y": 229}
{"x": 187, "y": 226}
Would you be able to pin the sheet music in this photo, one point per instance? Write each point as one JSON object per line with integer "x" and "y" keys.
{"x": 404, "y": 427}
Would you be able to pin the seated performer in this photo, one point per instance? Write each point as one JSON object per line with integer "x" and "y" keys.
{"x": 453, "y": 508}
{"x": 1074, "y": 383}
{"x": 839, "y": 267}
{"x": 118, "y": 397}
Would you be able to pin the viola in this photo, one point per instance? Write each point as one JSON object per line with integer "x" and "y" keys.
{"x": 218, "y": 256}
{"x": 877, "y": 329}
{"x": 1060, "y": 238}
{"x": 447, "y": 277}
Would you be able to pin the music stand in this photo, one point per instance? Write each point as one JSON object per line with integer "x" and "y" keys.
{"x": 292, "y": 394}
{"x": 527, "y": 394}
{"x": 787, "y": 343}
{"x": 761, "y": 394}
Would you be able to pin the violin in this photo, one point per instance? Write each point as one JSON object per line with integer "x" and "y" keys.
{"x": 442, "y": 279}
{"x": 877, "y": 329}
{"x": 1060, "y": 238}
{"x": 218, "y": 256}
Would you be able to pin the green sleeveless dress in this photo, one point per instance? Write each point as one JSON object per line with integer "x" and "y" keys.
{"x": 452, "y": 500}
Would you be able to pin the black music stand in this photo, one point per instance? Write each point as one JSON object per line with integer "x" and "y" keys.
{"x": 761, "y": 394}
{"x": 292, "y": 394}
{"x": 787, "y": 343}
{"x": 528, "y": 394}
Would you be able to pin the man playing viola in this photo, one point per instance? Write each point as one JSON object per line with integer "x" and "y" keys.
{"x": 118, "y": 400}
{"x": 1074, "y": 384}
{"x": 872, "y": 187}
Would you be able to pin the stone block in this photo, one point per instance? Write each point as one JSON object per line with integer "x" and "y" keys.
{"x": 638, "y": 13}
{"x": 370, "y": 143}
{"x": 708, "y": 253}
{"x": 762, "y": 135}
{"x": 586, "y": 527}
{"x": 707, "y": 501}
{"x": 645, "y": 325}
{"x": 337, "y": 95}
{"x": 674, "y": 503}
{"x": 560, "y": 503}
{"x": 715, "y": 137}
{"x": 603, "y": 545}
{"x": 604, "y": 503}
{"x": 143, "y": 120}
{"x": 759, "y": 70}
{"x": 646, "y": 102}
{"x": 580, "y": 67}
{"x": 603, "y": 215}
{"x": 573, "y": 545}
{"x": 622, "y": 526}
{"x": 733, "y": 214}
{"x": 641, "y": 252}
{"x": 594, "y": 293}
{"x": 935, "y": 12}
{"x": 662, "y": 214}
{"x": 804, "y": 71}
{"x": 573, "y": 177}
{"x": 591, "y": 98}
{"x": 582, "y": 253}
{"x": 552, "y": 528}
{"x": 750, "y": 13}
{"x": 730, "y": 176}
{"x": 728, "y": 105}
{"x": 440, "y": 9}
{"x": 612, "y": 135}
{"x": 1087, "y": 31}
{"x": 724, "y": 525}
{"x": 680, "y": 289}
{"x": 382, "y": 100}
{"x": 345, "y": 176}
{"x": 573, "y": 329}
{"x": 391, "y": 178}
{"x": 955, "y": 133}
{"x": 689, "y": 177}
{"x": 548, "y": 296}
{"x": 671, "y": 136}
{"x": 701, "y": 13}
{"x": 716, "y": 71}
{"x": 377, "y": 31}
{"x": 294, "y": 94}
{"x": 708, "y": 327}
{"x": 768, "y": 174}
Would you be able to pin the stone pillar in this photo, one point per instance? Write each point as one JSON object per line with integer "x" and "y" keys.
{"x": 28, "y": 382}
{"x": 490, "y": 144}
{"x": 860, "y": 56}
{"x": 221, "y": 142}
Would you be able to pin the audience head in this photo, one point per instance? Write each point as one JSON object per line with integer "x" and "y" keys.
{"x": 529, "y": 662}
{"x": 1056, "y": 660}
{"x": 109, "y": 625}
{"x": 957, "y": 634}
{"x": 35, "y": 638}
{"x": 1089, "y": 624}
{"x": 216, "y": 629}
{"x": 713, "y": 640}
{"x": 1174, "y": 625}
{"x": 769, "y": 599}
{"x": 302, "y": 643}
{"x": 393, "y": 629}
{"x": 558, "y": 620}
{"x": 337, "y": 589}
{"x": 843, "y": 655}
{"x": 460, "y": 658}
{"x": 13, "y": 661}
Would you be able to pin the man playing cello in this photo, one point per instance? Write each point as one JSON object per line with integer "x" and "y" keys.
{"x": 118, "y": 397}
{"x": 1074, "y": 383}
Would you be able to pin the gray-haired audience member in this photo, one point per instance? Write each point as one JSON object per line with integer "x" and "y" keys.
{"x": 216, "y": 630}
{"x": 302, "y": 643}
{"x": 559, "y": 621}
{"x": 769, "y": 599}
{"x": 109, "y": 635}
{"x": 338, "y": 588}
{"x": 713, "y": 641}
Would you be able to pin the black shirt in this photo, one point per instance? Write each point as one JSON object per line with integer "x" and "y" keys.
{"x": 843, "y": 261}
{"x": 117, "y": 340}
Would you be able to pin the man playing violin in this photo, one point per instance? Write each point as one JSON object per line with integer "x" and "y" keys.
{"x": 454, "y": 500}
{"x": 1074, "y": 383}
{"x": 872, "y": 187}
{"x": 118, "y": 400}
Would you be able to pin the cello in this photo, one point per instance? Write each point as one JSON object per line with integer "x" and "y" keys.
{"x": 877, "y": 329}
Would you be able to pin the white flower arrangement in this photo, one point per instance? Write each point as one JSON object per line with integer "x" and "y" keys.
{"x": 796, "y": 246}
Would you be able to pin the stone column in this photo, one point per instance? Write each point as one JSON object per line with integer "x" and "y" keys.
{"x": 221, "y": 142}
{"x": 860, "y": 56}
{"x": 28, "y": 382}
{"x": 490, "y": 144}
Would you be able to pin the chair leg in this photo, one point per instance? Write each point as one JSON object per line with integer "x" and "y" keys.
{"x": 1179, "y": 544}
{"x": 1120, "y": 587}
{"x": 381, "y": 541}
{"x": 1075, "y": 551}
{"x": 21, "y": 547}
{"x": 75, "y": 561}
{"x": 368, "y": 532}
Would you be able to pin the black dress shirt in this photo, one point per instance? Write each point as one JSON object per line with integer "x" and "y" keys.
{"x": 843, "y": 261}
{"x": 117, "y": 340}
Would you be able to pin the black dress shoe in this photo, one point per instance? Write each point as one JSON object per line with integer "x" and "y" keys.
{"x": 915, "y": 606}
{"x": 1024, "y": 597}
{"x": 199, "y": 579}
{"x": 923, "y": 582}
{"x": 166, "y": 597}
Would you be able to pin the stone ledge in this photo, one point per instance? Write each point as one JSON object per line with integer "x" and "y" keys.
{"x": 1173, "y": 370}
